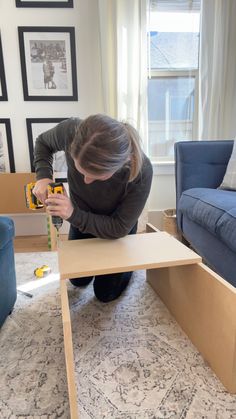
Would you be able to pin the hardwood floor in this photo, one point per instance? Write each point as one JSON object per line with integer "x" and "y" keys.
{"x": 25, "y": 244}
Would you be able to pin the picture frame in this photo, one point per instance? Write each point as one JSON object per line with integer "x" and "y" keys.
{"x": 7, "y": 163}
{"x": 48, "y": 63}
{"x": 3, "y": 86}
{"x": 45, "y": 3}
{"x": 36, "y": 126}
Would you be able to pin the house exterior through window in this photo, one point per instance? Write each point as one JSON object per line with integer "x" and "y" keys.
{"x": 173, "y": 49}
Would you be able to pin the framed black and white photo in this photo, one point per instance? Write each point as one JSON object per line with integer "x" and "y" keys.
{"x": 7, "y": 163}
{"x": 48, "y": 63}
{"x": 35, "y": 127}
{"x": 3, "y": 86}
{"x": 44, "y": 3}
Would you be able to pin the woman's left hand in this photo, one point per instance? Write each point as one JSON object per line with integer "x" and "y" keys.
{"x": 59, "y": 205}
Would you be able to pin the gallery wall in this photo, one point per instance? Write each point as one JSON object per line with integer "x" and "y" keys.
{"x": 83, "y": 18}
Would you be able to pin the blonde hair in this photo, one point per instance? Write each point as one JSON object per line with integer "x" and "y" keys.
{"x": 103, "y": 144}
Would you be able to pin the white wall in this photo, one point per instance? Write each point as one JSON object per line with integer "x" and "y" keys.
{"x": 84, "y": 18}
{"x": 162, "y": 194}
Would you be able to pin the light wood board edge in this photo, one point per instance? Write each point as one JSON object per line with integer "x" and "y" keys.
{"x": 125, "y": 268}
{"x": 150, "y": 228}
{"x": 69, "y": 357}
{"x": 52, "y": 234}
{"x": 204, "y": 305}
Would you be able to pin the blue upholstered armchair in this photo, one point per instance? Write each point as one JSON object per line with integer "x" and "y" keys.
{"x": 7, "y": 268}
{"x": 206, "y": 215}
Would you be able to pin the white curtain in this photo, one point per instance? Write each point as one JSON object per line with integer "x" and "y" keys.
{"x": 124, "y": 61}
{"x": 217, "y": 72}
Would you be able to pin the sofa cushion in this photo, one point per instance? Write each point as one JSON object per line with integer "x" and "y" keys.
{"x": 6, "y": 231}
{"x": 229, "y": 181}
{"x": 214, "y": 210}
{"x": 226, "y": 228}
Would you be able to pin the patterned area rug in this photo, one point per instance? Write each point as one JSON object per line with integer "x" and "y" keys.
{"x": 132, "y": 359}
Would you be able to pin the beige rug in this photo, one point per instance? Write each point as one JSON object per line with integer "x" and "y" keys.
{"x": 132, "y": 359}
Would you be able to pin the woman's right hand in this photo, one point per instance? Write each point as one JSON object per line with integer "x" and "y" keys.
{"x": 40, "y": 189}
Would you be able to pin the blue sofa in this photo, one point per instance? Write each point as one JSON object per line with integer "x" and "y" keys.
{"x": 206, "y": 215}
{"x": 7, "y": 268}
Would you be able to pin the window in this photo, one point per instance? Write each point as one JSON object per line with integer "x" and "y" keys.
{"x": 173, "y": 44}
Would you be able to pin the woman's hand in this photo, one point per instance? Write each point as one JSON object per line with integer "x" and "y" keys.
{"x": 59, "y": 205}
{"x": 40, "y": 189}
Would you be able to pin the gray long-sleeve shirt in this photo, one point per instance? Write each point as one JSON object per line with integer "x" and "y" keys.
{"x": 105, "y": 209}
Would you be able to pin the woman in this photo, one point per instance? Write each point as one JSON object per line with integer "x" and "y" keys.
{"x": 109, "y": 180}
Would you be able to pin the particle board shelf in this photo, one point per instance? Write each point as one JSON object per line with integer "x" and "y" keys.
{"x": 202, "y": 302}
{"x": 78, "y": 258}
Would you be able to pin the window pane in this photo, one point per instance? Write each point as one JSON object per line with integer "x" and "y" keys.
{"x": 170, "y": 113}
{"x": 174, "y": 40}
{"x": 173, "y": 50}
{"x": 175, "y": 5}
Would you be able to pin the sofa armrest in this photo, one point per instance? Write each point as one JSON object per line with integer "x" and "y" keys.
{"x": 200, "y": 164}
{"x": 7, "y": 268}
{"x": 7, "y": 231}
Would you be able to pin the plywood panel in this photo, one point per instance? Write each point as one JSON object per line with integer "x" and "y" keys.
{"x": 204, "y": 305}
{"x": 78, "y": 258}
{"x": 12, "y": 192}
{"x": 69, "y": 357}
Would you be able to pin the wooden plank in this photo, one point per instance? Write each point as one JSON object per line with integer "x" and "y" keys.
{"x": 12, "y": 193}
{"x": 69, "y": 357}
{"x": 78, "y": 258}
{"x": 204, "y": 305}
{"x": 13, "y": 199}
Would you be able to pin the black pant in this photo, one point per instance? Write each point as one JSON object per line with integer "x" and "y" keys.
{"x": 106, "y": 287}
